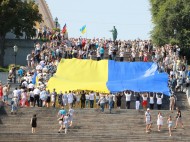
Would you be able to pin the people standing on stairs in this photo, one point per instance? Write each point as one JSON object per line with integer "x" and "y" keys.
{"x": 33, "y": 123}
{"x": 24, "y": 98}
{"x": 110, "y": 101}
{"x": 151, "y": 100}
{"x": 178, "y": 118}
{"x": 123, "y": 101}
{"x": 114, "y": 100}
{"x": 102, "y": 101}
{"x": 87, "y": 99}
{"x": 60, "y": 100}
{"x": 53, "y": 98}
{"x": 43, "y": 97}
{"x": 31, "y": 94}
{"x": 144, "y": 102}
{"x": 91, "y": 98}
{"x": 137, "y": 102}
{"x": 65, "y": 99}
{"x": 148, "y": 120}
{"x": 5, "y": 94}
{"x": 107, "y": 101}
{"x": 159, "y": 101}
{"x": 71, "y": 114}
{"x": 170, "y": 124}
{"x": 159, "y": 121}
{"x": 128, "y": 99}
{"x": 48, "y": 98}
{"x": 97, "y": 99}
{"x": 172, "y": 103}
{"x": 77, "y": 99}
{"x": 74, "y": 99}
{"x": 70, "y": 97}
{"x": 83, "y": 99}
{"x": 118, "y": 97}
{"x": 121, "y": 54}
{"x": 14, "y": 102}
{"x": 36, "y": 96}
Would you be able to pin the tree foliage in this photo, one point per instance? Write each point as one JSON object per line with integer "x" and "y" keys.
{"x": 170, "y": 15}
{"x": 18, "y": 17}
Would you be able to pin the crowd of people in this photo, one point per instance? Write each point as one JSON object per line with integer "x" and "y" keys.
{"x": 42, "y": 63}
{"x": 160, "y": 121}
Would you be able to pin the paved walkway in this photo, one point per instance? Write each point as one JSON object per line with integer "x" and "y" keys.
{"x": 3, "y": 77}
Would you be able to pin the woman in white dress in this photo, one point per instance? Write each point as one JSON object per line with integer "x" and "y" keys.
{"x": 159, "y": 121}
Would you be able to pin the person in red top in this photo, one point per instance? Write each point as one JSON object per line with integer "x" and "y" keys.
{"x": 1, "y": 91}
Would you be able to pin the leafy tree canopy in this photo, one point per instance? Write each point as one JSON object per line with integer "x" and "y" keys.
{"x": 169, "y": 16}
{"x": 18, "y": 17}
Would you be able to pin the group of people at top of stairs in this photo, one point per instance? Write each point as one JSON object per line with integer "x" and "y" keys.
{"x": 160, "y": 121}
{"x": 43, "y": 61}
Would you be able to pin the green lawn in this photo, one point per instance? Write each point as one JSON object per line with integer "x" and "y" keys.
{"x": 4, "y": 69}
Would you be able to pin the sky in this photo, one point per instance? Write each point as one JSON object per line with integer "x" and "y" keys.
{"x": 132, "y": 18}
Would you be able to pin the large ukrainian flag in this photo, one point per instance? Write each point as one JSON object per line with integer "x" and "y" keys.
{"x": 108, "y": 76}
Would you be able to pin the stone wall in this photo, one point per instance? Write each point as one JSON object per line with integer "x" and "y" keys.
{"x": 24, "y": 47}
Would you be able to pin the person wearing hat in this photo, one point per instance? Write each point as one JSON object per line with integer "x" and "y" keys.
{"x": 148, "y": 120}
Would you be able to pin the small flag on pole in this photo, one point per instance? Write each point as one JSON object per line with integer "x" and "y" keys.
{"x": 83, "y": 29}
{"x": 64, "y": 29}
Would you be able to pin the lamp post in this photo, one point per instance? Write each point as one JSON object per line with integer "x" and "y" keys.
{"x": 15, "y": 48}
{"x": 56, "y": 22}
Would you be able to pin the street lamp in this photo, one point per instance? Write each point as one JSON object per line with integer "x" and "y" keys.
{"x": 15, "y": 48}
{"x": 56, "y": 22}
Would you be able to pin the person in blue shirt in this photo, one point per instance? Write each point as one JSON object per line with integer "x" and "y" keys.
{"x": 62, "y": 112}
{"x": 101, "y": 52}
{"x": 20, "y": 74}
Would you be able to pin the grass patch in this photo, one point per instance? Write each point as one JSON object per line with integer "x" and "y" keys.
{"x": 4, "y": 69}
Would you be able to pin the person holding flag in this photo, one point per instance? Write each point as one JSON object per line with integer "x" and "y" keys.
{"x": 64, "y": 30}
{"x": 83, "y": 29}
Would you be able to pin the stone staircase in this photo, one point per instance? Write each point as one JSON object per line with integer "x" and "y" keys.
{"x": 90, "y": 125}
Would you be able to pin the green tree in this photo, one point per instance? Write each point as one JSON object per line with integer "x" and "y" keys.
{"x": 17, "y": 17}
{"x": 170, "y": 15}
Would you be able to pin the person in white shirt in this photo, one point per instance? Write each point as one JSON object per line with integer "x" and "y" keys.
{"x": 28, "y": 59}
{"x": 43, "y": 97}
{"x": 91, "y": 98}
{"x": 53, "y": 98}
{"x": 159, "y": 101}
{"x": 31, "y": 94}
{"x": 151, "y": 100}
{"x": 148, "y": 120}
{"x": 159, "y": 121}
{"x": 36, "y": 96}
{"x": 65, "y": 99}
{"x": 14, "y": 102}
{"x": 30, "y": 86}
{"x": 70, "y": 99}
{"x": 87, "y": 100}
{"x": 121, "y": 54}
{"x": 24, "y": 84}
{"x": 128, "y": 99}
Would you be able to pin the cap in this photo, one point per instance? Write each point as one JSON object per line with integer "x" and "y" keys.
{"x": 148, "y": 109}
